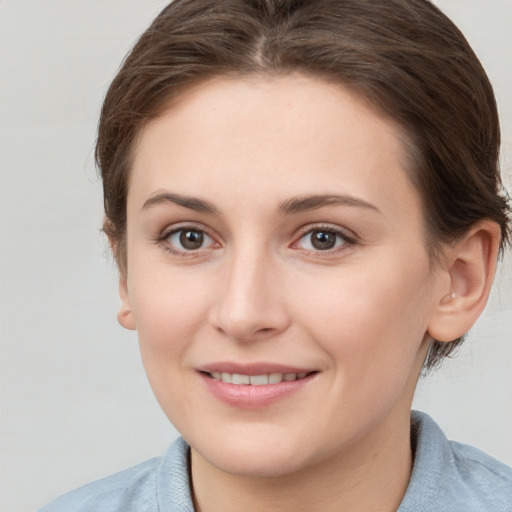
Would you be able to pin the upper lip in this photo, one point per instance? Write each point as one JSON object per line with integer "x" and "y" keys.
{"x": 252, "y": 368}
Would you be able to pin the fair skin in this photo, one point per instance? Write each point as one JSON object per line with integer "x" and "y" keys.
{"x": 305, "y": 254}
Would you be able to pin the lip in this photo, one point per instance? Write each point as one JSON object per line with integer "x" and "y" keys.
{"x": 249, "y": 396}
{"x": 252, "y": 368}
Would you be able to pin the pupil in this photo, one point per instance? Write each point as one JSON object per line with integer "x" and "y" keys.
{"x": 323, "y": 240}
{"x": 191, "y": 239}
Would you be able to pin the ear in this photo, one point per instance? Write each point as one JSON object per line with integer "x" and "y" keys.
{"x": 471, "y": 265}
{"x": 125, "y": 314}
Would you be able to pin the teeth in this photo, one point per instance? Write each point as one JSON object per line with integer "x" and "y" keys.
{"x": 241, "y": 379}
{"x": 226, "y": 377}
{"x": 275, "y": 378}
{"x": 256, "y": 380}
{"x": 259, "y": 380}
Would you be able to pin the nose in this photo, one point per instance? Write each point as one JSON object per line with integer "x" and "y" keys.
{"x": 250, "y": 304}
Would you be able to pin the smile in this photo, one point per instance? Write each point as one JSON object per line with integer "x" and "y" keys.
{"x": 256, "y": 380}
{"x": 255, "y": 386}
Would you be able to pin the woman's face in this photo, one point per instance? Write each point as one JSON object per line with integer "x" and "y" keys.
{"x": 277, "y": 273}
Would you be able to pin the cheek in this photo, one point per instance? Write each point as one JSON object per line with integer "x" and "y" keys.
{"x": 168, "y": 307}
{"x": 369, "y": 318}
{"x": 372, "y": 330}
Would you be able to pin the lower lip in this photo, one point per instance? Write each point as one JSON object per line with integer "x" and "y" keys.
{"x": 254, "y": 397}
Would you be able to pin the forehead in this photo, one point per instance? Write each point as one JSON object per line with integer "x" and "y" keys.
{"x": 282, "y": 135}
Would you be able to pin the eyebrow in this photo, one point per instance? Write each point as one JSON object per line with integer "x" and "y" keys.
{"x": 291, "y": 206}
{"x": 314, "y": 202}
{"x": 191, "y": 203}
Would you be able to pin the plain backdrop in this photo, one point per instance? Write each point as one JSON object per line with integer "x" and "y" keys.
{"x": 75, "y": 402}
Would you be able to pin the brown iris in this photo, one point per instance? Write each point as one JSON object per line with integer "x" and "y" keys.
{"x": 191, "y": 239}
{"x": 323, "y": 240}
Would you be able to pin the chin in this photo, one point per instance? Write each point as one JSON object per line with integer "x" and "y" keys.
{"x": 265, "y": 457}
{"x": 257, "y": 466}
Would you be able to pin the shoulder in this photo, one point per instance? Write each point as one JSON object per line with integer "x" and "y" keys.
{"x": 113, "y": 493}
{"x": 481, "y": 474}
{"x": 135, "y": 489}
{"x": 454, "y": 477}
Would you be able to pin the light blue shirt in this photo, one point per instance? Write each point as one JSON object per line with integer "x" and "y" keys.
{"x": 446, "y": 477}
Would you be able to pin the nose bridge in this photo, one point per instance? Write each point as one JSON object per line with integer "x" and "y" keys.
{"x": 250, "y": 301}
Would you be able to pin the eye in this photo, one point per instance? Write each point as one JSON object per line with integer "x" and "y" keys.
{"x": 188, "y": 239}
{"x": 323, "y": 239}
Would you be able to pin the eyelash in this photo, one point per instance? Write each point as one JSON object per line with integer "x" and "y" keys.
{"x": 346, "y": 239}
{"x": 164, "y": 240}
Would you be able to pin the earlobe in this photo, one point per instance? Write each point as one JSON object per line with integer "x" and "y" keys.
{"x": 471, "y": 267}
{"x": 125, "y": 314}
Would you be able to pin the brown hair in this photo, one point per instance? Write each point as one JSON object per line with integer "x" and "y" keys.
{"x": 404, "y": 56}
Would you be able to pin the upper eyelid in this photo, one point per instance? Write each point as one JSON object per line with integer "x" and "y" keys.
{"x": 345, "y": 232}
{"x": 174, "y": 228}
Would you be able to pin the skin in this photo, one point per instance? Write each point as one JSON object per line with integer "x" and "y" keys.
{"x": 257, "y": 290}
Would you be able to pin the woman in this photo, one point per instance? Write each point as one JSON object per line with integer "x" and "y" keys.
{"x": 304, "y": 203}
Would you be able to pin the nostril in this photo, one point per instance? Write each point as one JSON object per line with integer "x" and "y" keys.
{"x": 242, "y": 322}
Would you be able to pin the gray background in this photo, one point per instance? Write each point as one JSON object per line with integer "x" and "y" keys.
{"x": 75, "y": 402}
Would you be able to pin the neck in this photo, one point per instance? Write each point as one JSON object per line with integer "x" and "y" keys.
{"x": 370, "y": 476}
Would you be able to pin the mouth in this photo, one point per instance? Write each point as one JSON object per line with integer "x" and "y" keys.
{"x": 240, "y": 379}
{"x": 255, "y": 386}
